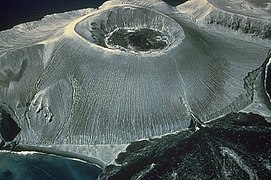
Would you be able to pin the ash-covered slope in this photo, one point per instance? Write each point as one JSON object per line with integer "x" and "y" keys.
{"x": 246, "y": 19}
{"x": 126, "y": 71}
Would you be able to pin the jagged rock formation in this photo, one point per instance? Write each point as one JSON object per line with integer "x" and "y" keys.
{"x": 234, "y": 18}
{"x": 126, "y": 71}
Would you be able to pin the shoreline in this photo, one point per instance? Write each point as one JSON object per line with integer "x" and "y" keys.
{"x": 50, "y": 151}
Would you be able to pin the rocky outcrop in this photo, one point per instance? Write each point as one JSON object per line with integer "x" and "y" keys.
{"x": 247, "y": 25}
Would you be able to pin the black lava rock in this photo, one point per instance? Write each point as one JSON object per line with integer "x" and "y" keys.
{"x": 237, "y": 146}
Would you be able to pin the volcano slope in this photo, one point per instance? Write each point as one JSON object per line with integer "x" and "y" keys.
{"x": 92, "y": 80}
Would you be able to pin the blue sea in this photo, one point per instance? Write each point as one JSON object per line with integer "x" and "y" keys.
{"x": 38, "y": 166}
{"x": 13, "y": 12}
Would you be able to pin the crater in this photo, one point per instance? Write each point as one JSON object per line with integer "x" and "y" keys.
{"x": 131, "y": 29}
{"x": 137, "y": 39}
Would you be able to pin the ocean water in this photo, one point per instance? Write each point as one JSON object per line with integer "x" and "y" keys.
{"x": 13, "y": 12}
{"x": 37, "y": 166}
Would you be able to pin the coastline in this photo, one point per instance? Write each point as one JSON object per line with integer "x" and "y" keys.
{"x": 54, "y": 152}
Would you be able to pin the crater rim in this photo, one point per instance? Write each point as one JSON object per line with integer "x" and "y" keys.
{"x": 173, "y": 31}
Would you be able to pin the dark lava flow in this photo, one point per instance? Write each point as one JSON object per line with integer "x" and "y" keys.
{"x": 236, "y": 146}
